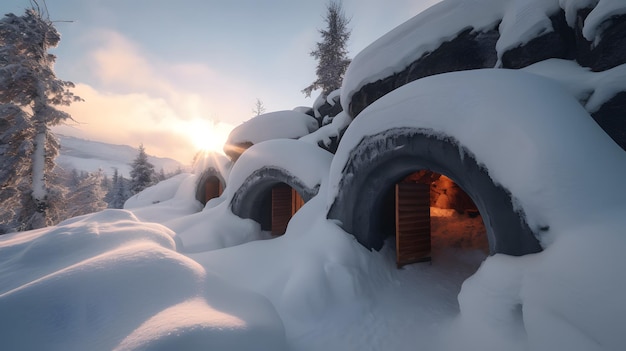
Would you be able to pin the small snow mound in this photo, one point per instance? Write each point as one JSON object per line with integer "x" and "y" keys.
{"x": 273, "y": 125}
{"x": 159, "y": 192}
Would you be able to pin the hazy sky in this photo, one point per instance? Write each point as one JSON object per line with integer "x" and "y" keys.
{"x": 174, "y": 75}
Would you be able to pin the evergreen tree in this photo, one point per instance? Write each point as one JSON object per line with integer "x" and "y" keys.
{"x": 88, "y": 197}
{"x": 120, "y": 193}
{"x": 15, "y": 149}
{"x": 111, "y": 187}
{"x": 331, "y": 53}
{"x": 142, "y": 174}
{"x": 161, "y": 176}
{"x": 29, "y": 92}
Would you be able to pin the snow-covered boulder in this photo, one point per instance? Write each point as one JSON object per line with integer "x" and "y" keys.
{"x": 456, "y": 35}
{"x": 273, "y": 125}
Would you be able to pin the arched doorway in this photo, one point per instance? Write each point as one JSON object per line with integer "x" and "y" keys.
{"x": 271, "y": 196}
{"x": 212, "y": 188}
{"x": 284, "y": 204}
{"x": 210, "y": 185}
{"x": 380, "y": 161}
{"x": 425, "y": 213}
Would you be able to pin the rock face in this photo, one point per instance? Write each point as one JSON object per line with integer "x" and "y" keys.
{"x": 559, "y": 43}
{"x": 449, "y": 57}
{"x": 474, "y": 50}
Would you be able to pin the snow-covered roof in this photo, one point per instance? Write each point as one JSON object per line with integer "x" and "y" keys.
{"x": 521, "y": 21}
{"x": 307, "y": 162}
{"x": 273, "y": 125}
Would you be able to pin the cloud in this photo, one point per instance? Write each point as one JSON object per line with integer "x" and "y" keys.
{"x": 138, "y": 98}
{"x": 132, "y": 119}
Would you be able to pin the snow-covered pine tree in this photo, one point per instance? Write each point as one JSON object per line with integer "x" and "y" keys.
{"x": 111, "y": 187}
{"x": 120, "y": 193}
{"x": 331, "y": 53}
{"x": 28, "y": 84}
{"x": 16, "y": 135}
{"x": 88, "y": 197}
{"x": 142, "y": 174}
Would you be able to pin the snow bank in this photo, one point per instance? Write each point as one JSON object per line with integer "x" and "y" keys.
{"x": 532, "y": 137}
{"x": 166, "y": 200}
{"x": 77, "y": 287}
{"x": 216, "y": 227}
{"x": 273, "y": 125}
{"x": 306, "y": 272}
{"x": 568, "y": 297}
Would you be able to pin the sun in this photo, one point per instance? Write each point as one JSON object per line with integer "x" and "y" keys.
{"x": 207, "y": 136}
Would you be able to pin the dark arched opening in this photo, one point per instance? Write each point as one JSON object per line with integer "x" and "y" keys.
{"x": 210, "y": 186}
{"x": 380, "y": 161}
{"x": 271, "y": 196}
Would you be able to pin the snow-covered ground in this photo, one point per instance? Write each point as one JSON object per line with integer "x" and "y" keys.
{"x": 166, "y": 273}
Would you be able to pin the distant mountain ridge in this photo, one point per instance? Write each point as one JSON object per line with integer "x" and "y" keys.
{"x": 88, "y": 155}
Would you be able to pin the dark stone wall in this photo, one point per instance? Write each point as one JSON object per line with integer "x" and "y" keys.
{"x": 609, "y": 52}
{"x": 559, "y": 43}
{"x": 469, "y": 50}
{"x": 612, "y": 118}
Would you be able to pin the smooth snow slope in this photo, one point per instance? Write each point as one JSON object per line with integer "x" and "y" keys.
{"x": 107, "y": 281}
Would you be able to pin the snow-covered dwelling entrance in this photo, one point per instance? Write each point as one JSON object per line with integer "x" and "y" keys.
{"x": 212, "y": 188}
{"x": 380, "y": 161}
{"x": 284, "y": 204}
{"x": 406, "y": 215}
{"x": 271, "y": 196}
{"x": 211, "y": 185}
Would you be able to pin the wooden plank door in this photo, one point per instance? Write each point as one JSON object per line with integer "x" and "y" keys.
{"x": 296, "y": 202}
{"x": 412, "y": 223}
{"x": 212, "y": 189}
{"x": 281, "y": 208}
